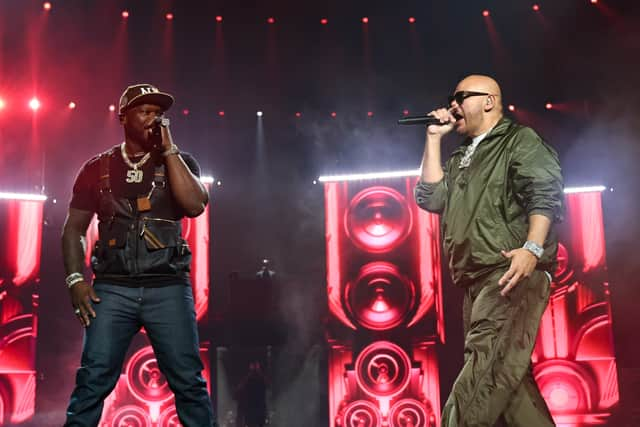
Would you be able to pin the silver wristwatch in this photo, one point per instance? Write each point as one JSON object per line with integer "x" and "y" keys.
{"x": 74, "y": 279}
{"x": 534, "y": 248}
{"x": 171, "y": 150}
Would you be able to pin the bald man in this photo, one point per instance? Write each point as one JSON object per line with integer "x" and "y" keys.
{"x": 498, "y": 195}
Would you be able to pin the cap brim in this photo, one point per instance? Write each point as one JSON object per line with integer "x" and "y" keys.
{"x": 161, "y": 99}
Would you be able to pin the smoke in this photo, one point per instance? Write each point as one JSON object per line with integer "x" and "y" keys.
{"x": 606, "y": 151}
{"x": 300, "y": 402}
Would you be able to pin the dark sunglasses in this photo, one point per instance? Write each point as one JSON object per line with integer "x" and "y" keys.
{"x": 459, "y": 97}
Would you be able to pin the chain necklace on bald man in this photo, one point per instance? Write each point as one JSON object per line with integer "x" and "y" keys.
{"x": 134, "y": 175}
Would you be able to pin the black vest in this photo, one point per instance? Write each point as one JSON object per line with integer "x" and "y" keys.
{"x": 138, "y": 244}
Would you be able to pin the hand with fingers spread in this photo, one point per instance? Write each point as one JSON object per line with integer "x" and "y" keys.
{"x": 82, "y": 298}
{"x": 523, "y": 262}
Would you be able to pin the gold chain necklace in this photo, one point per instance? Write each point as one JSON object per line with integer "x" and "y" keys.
{"x": 134, "y": 175}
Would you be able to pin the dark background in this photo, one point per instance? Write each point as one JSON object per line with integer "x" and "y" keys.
{"x": 581, "y": 57}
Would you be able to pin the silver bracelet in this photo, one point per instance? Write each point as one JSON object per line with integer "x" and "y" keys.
{"x": 73, "y": 279}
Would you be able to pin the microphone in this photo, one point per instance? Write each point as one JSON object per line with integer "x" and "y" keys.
{"x": 155, "y": 125}
{"x": 159, "y": 121}
{"x": 426, "y": 120}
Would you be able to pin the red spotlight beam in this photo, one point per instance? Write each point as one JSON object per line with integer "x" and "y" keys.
{"x": 574, "y": 107}
{"x": 606, "y": 10}
{"x": 273, "y": 59}
{"x": 167, "y": 46}
{"x": 530, "y": 118}
{"x": 501, "y": 58}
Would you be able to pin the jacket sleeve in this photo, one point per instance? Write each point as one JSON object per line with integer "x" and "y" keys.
{"x": 431, "y": 196}
{"x": 535, "y": 176}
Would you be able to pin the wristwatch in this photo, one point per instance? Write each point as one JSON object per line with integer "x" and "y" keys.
{"x": 171, "y": 150}
{"x": 73, "y": 279}
{"x": 534, "y": 248}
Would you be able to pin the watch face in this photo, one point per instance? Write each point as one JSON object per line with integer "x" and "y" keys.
{"x": 534, "y": 248}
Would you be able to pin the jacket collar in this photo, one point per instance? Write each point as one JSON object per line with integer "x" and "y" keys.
{"x": 499, "y": 129}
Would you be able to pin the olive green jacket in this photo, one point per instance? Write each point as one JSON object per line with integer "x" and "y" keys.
{"x": 485, "y": 207}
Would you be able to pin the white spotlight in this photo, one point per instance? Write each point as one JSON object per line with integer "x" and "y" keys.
{"x": 259, "y": 114}
{"x": 34, "y": 104}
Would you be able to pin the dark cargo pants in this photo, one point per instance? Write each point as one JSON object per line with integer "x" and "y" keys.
{"x": 496, "y": 385}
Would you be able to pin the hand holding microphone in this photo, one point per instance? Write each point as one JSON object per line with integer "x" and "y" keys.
{"x": 160, "y": 121}
{"x": 444, "y": 121}
{"x": 157, "y": 122}
{"x": 438, "y": 122}
{"x": 157, "y": 127}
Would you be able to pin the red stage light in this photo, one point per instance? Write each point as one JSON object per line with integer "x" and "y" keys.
{"x": 112, "y": 108}
{"x": 153, "y": 386}
{"x": 365, "y": 20}
{"x": 594, "y": 1}
{"x": 361, "y": 413}
{"x": 370, "y": 113}
{"x": 512, "y": 107}
{"x": 24, "y": 243}
{"x": 536, "y": 7}
{"x": 72, "y": 105}
{"x": 185, "y": 112}
{"x": 586, "y": 214}
{"x": 565, "y": 385}
{"x": 218, "y": 18}
{"x": 298, "y": 114}
{"x": 271, "y": 20}
{"x": 409, "y": 412}
{"x": 324, "y": 21}
{"x": 412, "y": 20}
{"x": 383, "y": 369}
{"x": 380, "y": 298}
{"x": 125, "y": 14}
{"x": 385, "y": 386}
{"x": 169, "y": 16}
{"x": 377, "y": 220}
{"x": 221, "y": 113}
{"x": 485, "y": 13}
{"x": 34, "y": 104}
{"x": 46, "y": 6}
{"x": 2, "y": 104}
{"x": 559, "y": 397}
{"x": 548, "y": 106}
{"x": 333, "y": 114}
{"x": 405, "y": 112}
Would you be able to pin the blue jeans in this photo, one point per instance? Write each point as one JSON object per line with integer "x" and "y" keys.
{"x": 168, "y": 316}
